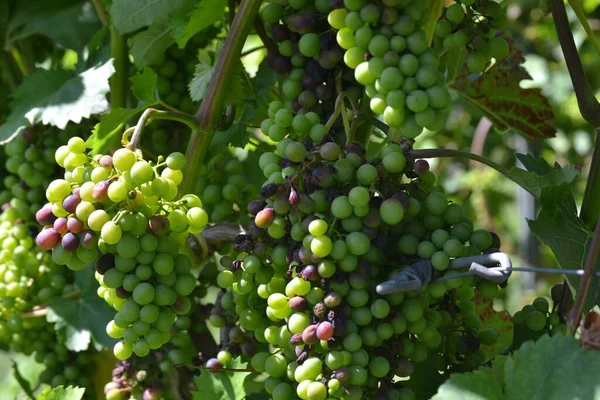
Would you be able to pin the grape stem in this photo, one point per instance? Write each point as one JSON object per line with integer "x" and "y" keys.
{"x": 574, "y": 317}
{"x": 440, "y": 153}
{"x": 151, "y": 113}
{"x": 209, "y": 113}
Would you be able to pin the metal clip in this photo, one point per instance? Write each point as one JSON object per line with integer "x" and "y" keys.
{"x": 413, "y": 277}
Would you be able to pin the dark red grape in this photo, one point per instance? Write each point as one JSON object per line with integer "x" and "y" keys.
{"x": 159, "y": 225}
{"x": 44, "y": 216}
{"x": 60, "y": 225}
{"x": 100, "y": 191}
{"x": 74, "y": 225}
{"x": 47, "y": 239}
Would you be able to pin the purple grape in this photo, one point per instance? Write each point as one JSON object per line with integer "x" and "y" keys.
{"x": 74, "y": 225}
{"x": 122, "y": 293}
{"x": 159, "y": 225}
{"x": 47, "y": 239}
{"x": 71, "y": 202}
{"x": 70, "y": 242}
{"x": 60, "y": 225}
{"x": 104, "y": 263}
{"x": 88, "y": 239}
{"x": 106, "y": 161}
{"x": 213, "y": 365}
{"x": 421, "y": 167}
{"x": 44, "y": 216}
{"x": 255, "y": 206}
{"x": 100, "y": 191}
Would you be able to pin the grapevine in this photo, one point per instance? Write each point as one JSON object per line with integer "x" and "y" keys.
{"x": 257, "y": 200}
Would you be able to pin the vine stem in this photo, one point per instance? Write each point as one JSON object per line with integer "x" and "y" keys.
{"x": 591, "y": 198}
{"x": 152, "y": 113}
{"x": 119, "y": 81}
{"x": 580, "y": 12}
{"x": 440, "y": 153}
{"x": 209, "y": 113}
{"x": 574, "y": 318}
{"x": 100, "y": 10}
{"x": 588, "y": 105}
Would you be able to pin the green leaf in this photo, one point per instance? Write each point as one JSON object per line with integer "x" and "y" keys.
{"x": 56, "y": 97}
{"x": 110, "y": 125}
{"x": 425, "y": 380}
{"x": 435, "y": 7}
{"x": 455, "y": 62}
{"x": 206, "y": 13}
{"x": 539, "y": 174}
{"x": 144, "y": 86}
{"x": 498, "y": 95}
{"x": 500, "y": 321}
{"x": 221, "y": 385}
{"x": 477, "y": 385}
{"x": 61, "y": 393}
{"x": 105, "y": 132}
{"x": 78, "y": 22}
{"x": 24, "y": 383}
{"x": 237, "y": 136}
{"x": 88, "y": 313}
{"x": 203, "y": 73}
{"x": 558, "y": 227}
{"x": 553, "y": 368}
{"x": 149, "y": 45}
{"x": 131, "y": 15}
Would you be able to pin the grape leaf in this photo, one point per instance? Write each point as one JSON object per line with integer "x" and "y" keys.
{"x": 149, "y": 45}
{"x": 144, "y": 86}
{"x": 499, "y": 321}
{"x": 558, "y": 227}
{"x": 131, "y": 15}
{"x": 205, "y": 68}
{"x": 61, "y": 393}
{"x": 77, "y": 20}
{"x": 425, "y": 380}
{"x": 56, "y": 97}
{"x": 477, "y": 385}
{"x": 24, "y": 383}
{"x": 87, "y": 313}
{"x": 540, "y": 174}
{"x": 109, "y": 126}
{"x": 237, "y": 136}
{"x": 553, "y": 368}
{"x": 221, "y": 385}
{"x": 206, "y": 13}
{"x": 497, "y": 93}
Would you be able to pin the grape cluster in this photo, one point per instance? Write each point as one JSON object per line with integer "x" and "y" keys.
{"x": 120, "y": 213}
{"x": 332, "y": 224}
{"x": 307, "y": 53}
{"x": 538, "y": 318}
{"x": 224, "y": 189}
{"x": 146, "y": 378}
{"x": 390, "y": 55}
{"x": 28, "y": 277}
{"x": 63, "y": 367}
{"x": 472, "y": 24}
{"x": 30, "y": 165}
